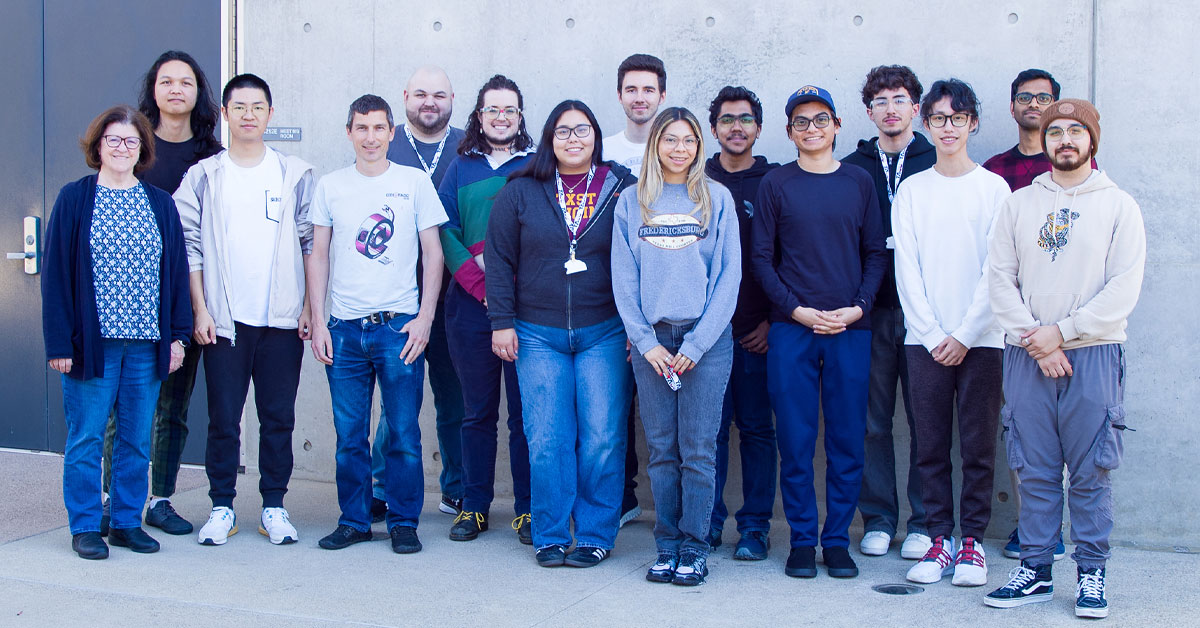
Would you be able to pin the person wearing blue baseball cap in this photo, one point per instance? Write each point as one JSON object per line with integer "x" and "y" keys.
{"x": 818, "y": 250}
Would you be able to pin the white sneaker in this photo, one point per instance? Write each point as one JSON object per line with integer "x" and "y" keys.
{"x": 276, "y": 526}
{"x": 221, "y": 525}
{"x": 875, "y": 543}
{"x": 936, "y": 563}
{"x": 970, "y": 565}
{"x": 915, "y": 545}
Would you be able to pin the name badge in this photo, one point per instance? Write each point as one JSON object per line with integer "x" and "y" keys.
{"x": 891, "y": 242}
{"x": 574, "y": 266}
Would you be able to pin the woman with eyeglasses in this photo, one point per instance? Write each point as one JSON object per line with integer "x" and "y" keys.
{"x": 550, "y": 301}
{"x": 676, "y": 259}
{"x": 116, "y": 315}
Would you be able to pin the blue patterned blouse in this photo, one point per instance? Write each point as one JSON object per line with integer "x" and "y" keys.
{"x": 126, "y": 251}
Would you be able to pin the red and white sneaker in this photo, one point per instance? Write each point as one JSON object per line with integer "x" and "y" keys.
{"x": 970, "y": 565}
{"x": 936, "y": 563}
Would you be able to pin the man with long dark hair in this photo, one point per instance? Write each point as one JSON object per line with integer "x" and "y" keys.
{"x": 177, "y": 100}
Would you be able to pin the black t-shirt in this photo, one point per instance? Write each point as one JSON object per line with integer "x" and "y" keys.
{"x": 171, "y": 162}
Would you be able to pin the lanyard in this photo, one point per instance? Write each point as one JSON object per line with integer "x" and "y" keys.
{"x": 887, "y": 172}
{"x": 437, "y": 156}
{"x": 573, "y": 223}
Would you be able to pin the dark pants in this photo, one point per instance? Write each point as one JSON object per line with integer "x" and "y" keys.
{"x": 747, "y": 403}
{"x": 271, "y": 358}
{"x": 878, "y": 503}
{"x": 974, "y": 389}
{"x": 470, "y": 337}
{"x": 808, "y": 372}
{"x": 170, "y": 427}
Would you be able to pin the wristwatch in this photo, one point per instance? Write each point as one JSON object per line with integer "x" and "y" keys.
{"x": 183, "y": 344}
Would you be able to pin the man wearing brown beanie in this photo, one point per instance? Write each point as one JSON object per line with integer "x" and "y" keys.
{"x": 1066, "y": 257}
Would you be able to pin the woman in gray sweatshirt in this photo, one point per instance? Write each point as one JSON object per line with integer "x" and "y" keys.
{"x": 676, "y": 268}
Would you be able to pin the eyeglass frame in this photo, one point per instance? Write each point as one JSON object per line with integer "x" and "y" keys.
{"x": 729, "y": 120}
{"x": 672, "y": 142}
{"x": 137, "y": 141}
{"x": 1068, "y": 131}
{"x": 572, "y": 130}
{"x": 814, "y": 122}
{"x": 259, "y": 110}
{"x": 494, "y": 113}
{"x": 1032, "y": 96}
{"x": 881, "y": 103}
{"x": 948, "y": 118}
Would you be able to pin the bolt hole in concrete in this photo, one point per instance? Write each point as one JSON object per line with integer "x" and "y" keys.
{"x": 1012, "y": 18}
{"x": 437, "y": 456}
{"x": 858, "y": 20}
{"x": 570, "y": 23}
{"x": 1002, "y": 497}
{"x": 898, "y": 589}
{"x": 437, "y": 26}
{"x": 710, "y": 21}
{"x": 307, "y": 445}
{"x": 307, "y": 27}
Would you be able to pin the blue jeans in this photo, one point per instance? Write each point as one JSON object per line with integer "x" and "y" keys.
{"x": 807, "y": 373}
{"x": 130, "y": 382}
{"x": 448, "y": 407}
{"x": 747, "y": 401}
{"x": 681, "y": 435}
{"x": 362, "y": 352}
{"x": 575, "y": 388}
{"x": 877, "y": 503}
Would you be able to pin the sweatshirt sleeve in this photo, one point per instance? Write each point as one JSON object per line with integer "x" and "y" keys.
{"x": 978, "y": 318}
{"x": 873, "y": 247}
{"x": 304, "y": 225}
{"x": 501, "y": 253}
{"x": 187, "y": 202}
{"x": 919, "y": 316}
{"x": 1123, "y": 269}
{"x": 459, "y": 259}
{"x": 724, "y": 279}
{"x": 762, "y": 256}
{"x": 1004, "y": 290}
{"x": 58, "y": 297}
{"x": 627, "y": 279}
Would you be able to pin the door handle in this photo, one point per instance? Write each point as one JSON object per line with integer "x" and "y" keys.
{"x": 32, "y": 240}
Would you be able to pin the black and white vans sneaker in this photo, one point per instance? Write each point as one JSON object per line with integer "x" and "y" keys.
{"x": 1089, "y": 593}
{"x": 1027, "y": 584}
{"x": 585, "y": 556}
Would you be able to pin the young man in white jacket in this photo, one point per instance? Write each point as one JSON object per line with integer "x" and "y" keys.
{"x": 1066, "y": 260}
{"x": 245, "y": 223}
{"x": 940, "y": 221}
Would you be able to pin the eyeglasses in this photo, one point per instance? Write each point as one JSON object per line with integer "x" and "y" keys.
{"x": 1075, "y": 132}
{"x": 745, "y": 120}
{"x": 938, "y": 120}
{"x": 492, "y": 113}
{"x": 881, "y": 104}
{"x": 580, "y": 130}
{"x": 822, "y": 120}
{"x": 670, "y": 141}
{"x": 113, "y": 141}
{"x": 1024, "y": 98}
{"x": 238, "y": 111}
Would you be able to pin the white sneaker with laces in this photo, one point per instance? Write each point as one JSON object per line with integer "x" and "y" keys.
{"x": 221, "y": 525}
{"x": 875, "y": 543}
{"x": 970, "y": 564}
{"x": 915, "y": 545}
{"x": 936, "y": 563}
{"x": 277, "y": 527}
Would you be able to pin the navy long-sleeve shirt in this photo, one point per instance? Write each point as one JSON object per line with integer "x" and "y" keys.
{"x": 818, "y": 240}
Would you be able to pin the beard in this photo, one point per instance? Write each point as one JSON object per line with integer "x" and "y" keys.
{"x": 1029, "y": 124}
{"x": 504, "y": 140}
{"x": 1069, "y": 161}
{"x": 443, "y": 118}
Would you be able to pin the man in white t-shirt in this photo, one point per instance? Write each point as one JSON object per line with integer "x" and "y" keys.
{"x": 941, "y": 219}
{"x": 372, "y": 220}
{"x": 641, "y": 88}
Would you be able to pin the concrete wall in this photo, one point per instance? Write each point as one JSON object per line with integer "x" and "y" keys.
{"x": 318, "y": 56}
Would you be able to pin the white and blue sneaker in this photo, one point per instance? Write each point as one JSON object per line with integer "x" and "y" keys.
{"x": 221, "y": 525}
{"x": 1089, "y": 593}
{"x": 276, "y": 526}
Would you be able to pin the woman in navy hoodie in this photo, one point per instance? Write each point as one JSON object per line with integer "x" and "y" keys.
{"x": 550, "y": 300}
{"x": 116, "y": 318}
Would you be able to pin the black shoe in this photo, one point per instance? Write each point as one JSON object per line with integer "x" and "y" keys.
{"x": 692, "y": 570}
{"x": 104, "y": 519}
{"x": 468, "y": 525}
{"x": 344, "y": 536}
{"x": 551, "y": 556}
{"x": 1089, "y": 593}
{"x": 404, "y": 540}
{"x": 838, "y": 562}
{"x": 378, "y": 510}
{"x": 663, "y": 569}
{"x": 752, "y": 546}
{"x": 629, "y": 509}
{"x": 89, "y": 545}
{"x": 523, "y": 524}
{"x": 585, "y": 556}
{"x": 164, "y": 517}
{"x": 1027, "y": 584}
{"x": 135, "y": 539}
{"x": 714, "y": 537}
{"x": 802, "y": 562}
{"x": 449, "y": 505}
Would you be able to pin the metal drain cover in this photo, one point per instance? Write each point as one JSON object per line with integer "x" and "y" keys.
{"x": 898, "y": 589}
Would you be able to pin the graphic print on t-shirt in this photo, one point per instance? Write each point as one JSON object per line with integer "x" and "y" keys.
{"x": 1056, "y": 233}
{"x": 672, "y": 231}
{"x": 374, "y": 233}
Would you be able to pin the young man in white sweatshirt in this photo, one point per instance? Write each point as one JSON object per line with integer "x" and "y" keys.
{"x": 940, "y": 221}
{"x": 1066, "y": 259}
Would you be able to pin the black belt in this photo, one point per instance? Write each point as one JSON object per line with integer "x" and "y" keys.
{"x": 381, "y": 317}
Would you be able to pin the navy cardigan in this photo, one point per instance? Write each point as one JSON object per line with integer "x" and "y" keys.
{"x": 70, "y": 324}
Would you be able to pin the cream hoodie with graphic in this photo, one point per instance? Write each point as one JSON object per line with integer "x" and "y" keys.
{"x": 1072, "y": 258}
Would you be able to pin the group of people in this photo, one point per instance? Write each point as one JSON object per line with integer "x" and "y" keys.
{"x": 581, "y": 272}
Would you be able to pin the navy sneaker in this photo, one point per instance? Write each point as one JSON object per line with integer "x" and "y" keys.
{"x": 551, "y": 556}
{"x": 802, "y": 562}
{"x": 692, "y": 570}
{"x": 342, "y": 537}
{"x": 378, "y": 510}
{"x": 663, "y": 569}
{"x": 1089, "y": 593}
{"x": 164, "y": 517}
{"x": 89, "y": 545}
{"x": 404, "y": 539}
{"x": 523, "y": 524}
{"x": 1026, "y": 585}
{"x": 752, "y": 546}
{"x": 630, "y": 509}
{"x": 838, "y": 562}
{"x": 467, "y": 525}
{"x": 585, "y": 556}
{"x": 1012, "y": 549}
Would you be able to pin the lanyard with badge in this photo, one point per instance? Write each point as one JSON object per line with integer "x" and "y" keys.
{"x": 437, "y": 155}
{"x": 573, "y": 265}
{"x": 887, "y": 178}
